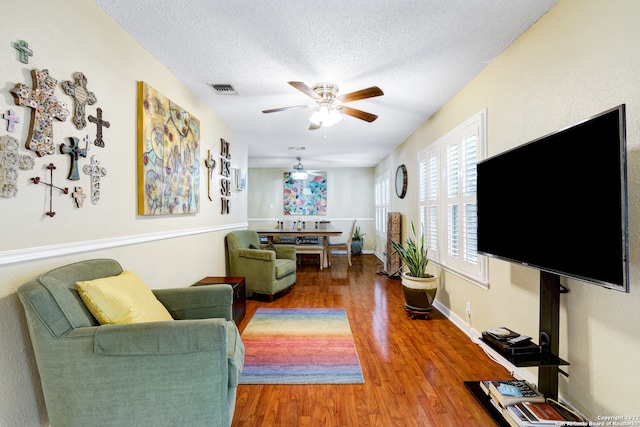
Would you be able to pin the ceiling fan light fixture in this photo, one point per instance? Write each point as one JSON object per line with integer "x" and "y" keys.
{"x": 299, "y": 170}
{"x": 326, "y": 115}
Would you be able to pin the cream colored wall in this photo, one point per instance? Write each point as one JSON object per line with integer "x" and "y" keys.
{"x": 68, "y": 36}
{"x": 578, "y": 60}
{"x": 350, "y": 195}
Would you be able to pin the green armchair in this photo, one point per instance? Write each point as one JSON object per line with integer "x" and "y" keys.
{"x": 158, "y": 373}
{"x": 265, "y": 271}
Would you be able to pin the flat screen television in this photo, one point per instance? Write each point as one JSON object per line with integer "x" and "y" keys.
{"x": 559, "y": 203}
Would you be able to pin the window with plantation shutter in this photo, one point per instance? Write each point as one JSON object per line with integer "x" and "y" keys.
{"x": 382, "y": 200}
{"x": 448, "y": 211}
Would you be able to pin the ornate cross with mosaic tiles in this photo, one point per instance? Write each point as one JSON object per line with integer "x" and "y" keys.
{"x": 45, "y": 107}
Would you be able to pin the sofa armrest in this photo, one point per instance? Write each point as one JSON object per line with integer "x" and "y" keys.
{"x": 286, "y": 252}
{"x": 161, "y": 338}
{"x": 258, "y": 254}
{"x": 198, "y": 302}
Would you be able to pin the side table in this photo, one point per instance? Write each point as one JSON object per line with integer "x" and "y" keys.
{"x": 239, "y": 293}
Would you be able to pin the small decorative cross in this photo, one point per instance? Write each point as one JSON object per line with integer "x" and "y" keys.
{"x": 87, "y": 141}
{"x": 79, "y": 196}
{"x": 96, "y": 172}
{"x": 75, "y": 152}
{"x": 12, "y": 119}
{"x": 64, "y": 190}
{"x": 99, "y": 123}
{"x": 10, "y": 162}
{"x": 81, "y": 96}
{"x": 45, "y": 108}
{"x": 210, "y": 163}
{"x": 23, "y": 47}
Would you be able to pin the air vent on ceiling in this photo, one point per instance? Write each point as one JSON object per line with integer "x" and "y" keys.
{"x": 224, "y": 89}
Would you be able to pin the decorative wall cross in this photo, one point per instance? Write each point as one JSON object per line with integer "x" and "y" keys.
{"x": 79, "y": 196}
{"x": 64, "y": 190}
{"x": 96, "y": 172}
{"x": 12, "y": 119}
{"x": 23, "y": 48}
{"x": 99, "y": 123}
{"x": 75, "y": 152}
{"x": 210, "y": 163}
{"x": 10, "y": 161}
{"x": 81, "y": 96}
{"x": 45, "y": 108}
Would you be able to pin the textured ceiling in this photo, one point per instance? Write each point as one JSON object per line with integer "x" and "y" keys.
{"x": 419, "y": 52}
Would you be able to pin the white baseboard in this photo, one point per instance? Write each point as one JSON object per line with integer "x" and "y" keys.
{"x": 519, "y": 373}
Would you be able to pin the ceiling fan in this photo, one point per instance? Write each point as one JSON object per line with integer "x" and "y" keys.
{"x": 329, "y": 105}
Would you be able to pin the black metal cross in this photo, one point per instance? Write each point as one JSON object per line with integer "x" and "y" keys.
{"x": 75, "y": 152}
{"x": 64, "y": 190}
{"x": 99, "y": 123}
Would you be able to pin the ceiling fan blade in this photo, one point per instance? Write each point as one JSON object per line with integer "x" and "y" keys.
{"x": 295, "y": 107}
{"x": 362, "y": 94}
{"x": 302, "y": 87}
{"x": 314, "y": 126}
{"x": 358, "y": 114}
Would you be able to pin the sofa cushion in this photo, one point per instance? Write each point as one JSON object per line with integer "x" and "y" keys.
{"x": 121, "y": 299}
{"x": 284, "y": 267}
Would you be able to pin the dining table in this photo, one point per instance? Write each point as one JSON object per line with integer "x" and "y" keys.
{"x": 270, "y": 233}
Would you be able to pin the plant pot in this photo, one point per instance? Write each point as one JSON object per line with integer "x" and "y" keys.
{"x": 419, "y": 292}
{"x": 356, "y": 246}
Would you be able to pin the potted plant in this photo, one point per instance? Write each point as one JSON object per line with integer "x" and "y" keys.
{"x": 418, "y": 286}
{"x": 357, "y": 241}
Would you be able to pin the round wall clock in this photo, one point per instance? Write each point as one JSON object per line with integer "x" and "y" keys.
{"x": 401, "y": 181}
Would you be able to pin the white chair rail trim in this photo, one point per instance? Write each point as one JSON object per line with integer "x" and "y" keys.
{"x": 43, "y": 252}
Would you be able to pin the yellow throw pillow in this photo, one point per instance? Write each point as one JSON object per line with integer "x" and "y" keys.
{"x": 121, "y": 299}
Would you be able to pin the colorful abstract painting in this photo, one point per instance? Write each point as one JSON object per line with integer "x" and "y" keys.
{"x": 305, "y": 196}
{"x": 168, "y": 156}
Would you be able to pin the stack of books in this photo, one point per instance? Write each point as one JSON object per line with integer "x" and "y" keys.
{"x": 522, "y": 405}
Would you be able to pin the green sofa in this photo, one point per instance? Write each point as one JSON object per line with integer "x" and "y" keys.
{"x": 170, "y": 373}
{"x": 265, "y": 271}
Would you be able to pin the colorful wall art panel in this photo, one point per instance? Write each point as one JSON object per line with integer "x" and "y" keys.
{"x": 305, "y": 196}
{"x": 168, "y": 156}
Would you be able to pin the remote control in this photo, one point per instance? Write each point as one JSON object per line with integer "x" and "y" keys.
{"x": 519, "y": 339}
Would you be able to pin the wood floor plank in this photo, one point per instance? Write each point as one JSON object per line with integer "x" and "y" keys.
{"x": 413, "y": 369}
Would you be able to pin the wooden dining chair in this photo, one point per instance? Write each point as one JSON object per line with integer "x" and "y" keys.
{"x": 341, "y": 245}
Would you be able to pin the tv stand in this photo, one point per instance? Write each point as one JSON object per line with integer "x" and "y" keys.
{"x": 550, "y": 290}
{"x": 547, "y": 360}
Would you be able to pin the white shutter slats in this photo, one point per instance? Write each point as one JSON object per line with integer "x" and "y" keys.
{"x": 448, "y": 184}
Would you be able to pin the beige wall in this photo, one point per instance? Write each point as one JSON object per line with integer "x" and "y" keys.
{"x": 578, "y": 60}
{"x": 350, "y": 195}
{"x": 68, "y": 36}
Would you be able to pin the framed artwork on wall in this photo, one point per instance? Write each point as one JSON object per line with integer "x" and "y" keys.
{"x": 305, "y": 196}
{"x": 168, "y": 156}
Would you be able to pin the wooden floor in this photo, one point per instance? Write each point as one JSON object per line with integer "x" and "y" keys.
{"x": 413, "y": 369}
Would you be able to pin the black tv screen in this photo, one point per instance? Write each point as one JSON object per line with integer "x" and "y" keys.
{"x": 559, "y": 203}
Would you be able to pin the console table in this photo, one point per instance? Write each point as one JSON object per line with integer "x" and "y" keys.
{"x": 239, "y": 293}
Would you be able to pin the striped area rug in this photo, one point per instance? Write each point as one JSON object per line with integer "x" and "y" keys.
{"x": 300, "y": 346}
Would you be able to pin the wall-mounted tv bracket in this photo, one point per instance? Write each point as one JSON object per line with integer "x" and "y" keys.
{"x": 64, "y": 190}
{"x": 550, "y": 290}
